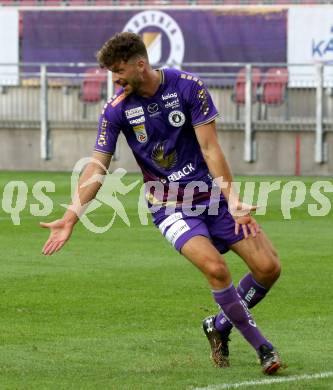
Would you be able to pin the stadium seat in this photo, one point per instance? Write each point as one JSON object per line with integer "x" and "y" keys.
{"x": 9, "y": 2}
{"x": 104, "y": 2}
{"x": 201, "y": 2}
{"x": 238, "y": 95}
{"x": 93, "y": 87}
{"x": 274, "y": 88}
{"x": 75, "y": 2}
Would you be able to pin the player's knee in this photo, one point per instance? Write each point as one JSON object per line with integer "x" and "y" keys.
{"x": 216, "y": 269}
{"x": 274, "y": 271}
{"x": 270, "y": 268}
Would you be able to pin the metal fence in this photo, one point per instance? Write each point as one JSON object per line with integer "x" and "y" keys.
{"x": 250, "y": 97}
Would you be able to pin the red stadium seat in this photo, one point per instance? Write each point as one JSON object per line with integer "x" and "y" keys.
{"x": 239, "y": 90}
{"x": 274, "y": 87}
{"x": 76, "y": 2}
{"x": 53, "y": 2}
{"x": 94, "y": 85}
{"x": 238, "y": 95}
{"x": 9, "y": 2}
{"x": 104, "y": 2}
{"x": 201, "y": 2}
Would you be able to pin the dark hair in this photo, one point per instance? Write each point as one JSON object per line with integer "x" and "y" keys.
{"x": 121, "y": 47}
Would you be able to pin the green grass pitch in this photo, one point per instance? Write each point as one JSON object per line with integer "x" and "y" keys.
{"x": 122, "y": 310}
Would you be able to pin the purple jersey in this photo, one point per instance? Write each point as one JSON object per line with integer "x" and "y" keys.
{"x": 160, "y": 131}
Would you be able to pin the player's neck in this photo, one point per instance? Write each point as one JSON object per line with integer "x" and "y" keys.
{"x": 151, "y": 83}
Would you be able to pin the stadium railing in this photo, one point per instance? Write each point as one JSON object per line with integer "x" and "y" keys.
{"x": 299, "y": 98}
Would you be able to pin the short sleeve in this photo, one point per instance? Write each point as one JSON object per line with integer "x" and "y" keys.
{"x": 202, "y": 108}
{"x": 107, "y": 134}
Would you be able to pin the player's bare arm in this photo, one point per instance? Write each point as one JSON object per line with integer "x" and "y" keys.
{"x": 219, "y": 169}
{"x": 61, "y": 229}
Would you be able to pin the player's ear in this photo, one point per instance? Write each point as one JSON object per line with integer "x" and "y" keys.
{"x": 141, "y": 63}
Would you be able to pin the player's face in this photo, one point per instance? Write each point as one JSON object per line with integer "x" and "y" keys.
{"x": 128, "y": 75}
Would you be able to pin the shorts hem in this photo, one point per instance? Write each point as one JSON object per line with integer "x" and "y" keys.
{"x": 182, "y": 242}
{"x": 236, "y": 240}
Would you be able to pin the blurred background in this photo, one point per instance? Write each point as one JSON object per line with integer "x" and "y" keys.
{"x": 268, "y": 65}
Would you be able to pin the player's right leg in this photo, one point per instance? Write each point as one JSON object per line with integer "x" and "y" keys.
{"x": 179, "y": 229}
{"x": 213, "y": 266}
{"x": 263, "y": 262}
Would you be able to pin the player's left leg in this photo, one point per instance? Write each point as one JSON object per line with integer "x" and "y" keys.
{"x": 260, "y": 256}
{"x": 263, "y": 262}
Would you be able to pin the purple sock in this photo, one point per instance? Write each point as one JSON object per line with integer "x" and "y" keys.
{"x": 238, "y": 314}
{"x": 251, "y": 292}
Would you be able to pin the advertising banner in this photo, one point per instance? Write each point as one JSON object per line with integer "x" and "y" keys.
{"x": 9, "y": 46}
{"x": 171, "y": 37}
{"x": 310, "y": 41}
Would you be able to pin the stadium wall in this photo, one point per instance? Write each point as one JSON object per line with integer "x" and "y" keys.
{"x": 276, "y": 151}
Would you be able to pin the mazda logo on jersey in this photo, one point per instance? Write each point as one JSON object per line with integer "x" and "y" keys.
{"x": 152, "y": 108}
{"x": 176, "y": 118}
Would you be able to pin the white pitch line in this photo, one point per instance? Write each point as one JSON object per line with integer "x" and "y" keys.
{"x": 293, "y": 378}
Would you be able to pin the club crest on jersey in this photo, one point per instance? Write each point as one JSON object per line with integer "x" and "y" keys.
{"x": 140, "y": 133}
{"x": 176, "y": 118}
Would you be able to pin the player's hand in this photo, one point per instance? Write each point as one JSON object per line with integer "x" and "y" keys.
{"x": 241, "y": 213}
{"x": 60, "y": 231}
{"x": 240, "y": 209}
{"x": 249, "y": 225}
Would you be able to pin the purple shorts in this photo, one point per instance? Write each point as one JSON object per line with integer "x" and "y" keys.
{"x": 179, "y": 226}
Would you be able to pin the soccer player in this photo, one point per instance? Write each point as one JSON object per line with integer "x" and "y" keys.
{"x": 168, "y": 119}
